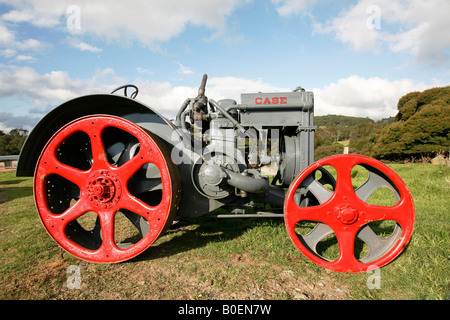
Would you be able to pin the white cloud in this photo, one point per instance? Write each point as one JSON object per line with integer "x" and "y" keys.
{"x": 33, "y": 94}
{"x": 10, "y": 45}
{"x": 17, "y": 16}
{"x": 24, "y": 58}
{"x": 147, "y": 21}
{"x": 41, "y": 13}
{"x": 287, "y": 8}
{"x": 351, "y": 26}
{"x": 375, "y": 98}
{"x": 83, "y": 46}
{"x": 163, "y": 96}
{"x": 9, "y": 121}
{"x": 144, "y": 70}
{"x": 53, "y": 87}
{"x": 103, "y": 73}
{"x": 418, "y": 27}
{"x": 184, "y": 70}
{"x": 6, "y": 36}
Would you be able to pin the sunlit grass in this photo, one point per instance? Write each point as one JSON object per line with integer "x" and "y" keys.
{"x": 230, "y": 254}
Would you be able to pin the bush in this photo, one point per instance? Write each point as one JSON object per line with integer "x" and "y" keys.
{"x": 421, "y": 127}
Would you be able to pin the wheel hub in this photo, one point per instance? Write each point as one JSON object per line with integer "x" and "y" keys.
{"x": 347, "y": 214}
{"x": 104, "y": 189}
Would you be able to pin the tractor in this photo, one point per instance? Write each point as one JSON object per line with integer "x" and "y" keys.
{"x": 103, "y": 154}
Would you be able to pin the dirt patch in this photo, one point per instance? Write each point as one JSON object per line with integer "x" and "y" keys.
{"x": 240, "y": 278}
{"x": 281, "y": 284}
{"x": 44, "y": 278}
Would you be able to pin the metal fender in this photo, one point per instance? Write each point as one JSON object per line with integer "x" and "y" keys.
{"x": 106, "y": 104}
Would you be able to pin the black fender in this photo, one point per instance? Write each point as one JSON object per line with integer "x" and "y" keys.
{"x": 109, "y": 104}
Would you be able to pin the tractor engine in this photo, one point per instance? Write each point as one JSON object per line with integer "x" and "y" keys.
{"x": 238, "y": 142}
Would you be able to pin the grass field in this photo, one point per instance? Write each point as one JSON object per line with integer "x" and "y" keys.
{"x": 205, "y": 258}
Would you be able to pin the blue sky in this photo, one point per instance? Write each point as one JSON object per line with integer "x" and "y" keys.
{"x": 359, "y": 57}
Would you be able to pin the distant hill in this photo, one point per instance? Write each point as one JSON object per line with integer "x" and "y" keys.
{"x": 335, "y": 131}
{"x": 339, "y": 121}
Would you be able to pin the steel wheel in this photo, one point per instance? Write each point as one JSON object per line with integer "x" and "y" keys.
{"x": 97, "y": 170}
{"x": 343, "y": 211}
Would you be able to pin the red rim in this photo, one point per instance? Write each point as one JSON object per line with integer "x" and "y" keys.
{"x": 103, "y": 189}
{"x": 345, "y": 213}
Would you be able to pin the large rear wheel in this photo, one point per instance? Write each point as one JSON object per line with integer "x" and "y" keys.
{"x": 105, "y": 189}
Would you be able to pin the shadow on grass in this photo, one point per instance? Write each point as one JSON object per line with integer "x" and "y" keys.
{"x": 11, "y": 193}
{"x": 15, "y": 181}
{"x": 196, "y": 233}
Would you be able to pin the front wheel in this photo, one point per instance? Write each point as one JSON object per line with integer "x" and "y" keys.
{"x": 368, "y": 223}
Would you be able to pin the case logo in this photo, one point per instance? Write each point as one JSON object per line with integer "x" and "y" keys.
{"x": 274, "y": 100}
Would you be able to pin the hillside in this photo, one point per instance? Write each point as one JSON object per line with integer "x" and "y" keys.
{"x": 335, "y": 131}
{"x": 332, "y": 120}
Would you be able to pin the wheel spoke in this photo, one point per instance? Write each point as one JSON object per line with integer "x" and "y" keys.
{"x": 99, "y": 158}
{"x": 378, "y": 246}
{"x": 107, "y": 228}
{"x": 320, "y": 231}
{"x": 76, "y": 210}
{"x": 59, "y": 222}
{"x": 297, "y": 214}
{"x": 375, "y": 181}
{"x": 346, "y": 240}
{"x": 321, "y": 193}
{"x": 376, "y": 213}
{"x": 49, "y": 164}
{"x": 139, "y": 207}
{"x": 344, "y": 178}
{"x": 70, "y": 173}
{"x": 130, "y": 167}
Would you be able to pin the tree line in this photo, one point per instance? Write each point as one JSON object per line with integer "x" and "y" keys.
{"x": 11, "y": 143}
{"x": 421, "y": 128}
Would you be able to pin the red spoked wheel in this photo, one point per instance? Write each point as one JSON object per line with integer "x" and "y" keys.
{"x": 105, "y": 189}
{"x": 344, "y": 225}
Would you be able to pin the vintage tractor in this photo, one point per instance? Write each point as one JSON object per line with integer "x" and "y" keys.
{"x": 102, "y": 155}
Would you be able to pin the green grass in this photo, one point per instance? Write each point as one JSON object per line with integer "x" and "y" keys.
{"x": 422, "y": 271}
{"x": 205, "y": 258}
